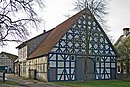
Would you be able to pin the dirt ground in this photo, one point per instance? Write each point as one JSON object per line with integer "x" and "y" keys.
{"x": 26, "y": 82}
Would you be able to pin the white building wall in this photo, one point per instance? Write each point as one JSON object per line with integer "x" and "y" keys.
{"x": 22, "y": 54}
{"x": 6, "y": 61}
{"x": 40, "y": 65}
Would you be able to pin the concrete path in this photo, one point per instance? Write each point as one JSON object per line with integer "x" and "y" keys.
{"x": 27, "y": 83}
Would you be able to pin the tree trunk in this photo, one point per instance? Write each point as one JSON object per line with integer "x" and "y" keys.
{"x": 87, "y": 54}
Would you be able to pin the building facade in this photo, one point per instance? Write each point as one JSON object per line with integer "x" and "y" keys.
{"x": 24, "y": 66}
{"x": 7, "y": 62}
{"x": 73, "y": 49}
{"x": 123, "y": 44}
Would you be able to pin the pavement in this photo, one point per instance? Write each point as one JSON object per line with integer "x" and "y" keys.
{"x": 22, "y": 82}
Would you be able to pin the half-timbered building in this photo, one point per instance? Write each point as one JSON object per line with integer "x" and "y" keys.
{"x": 74, "y": 48}
{"x": 7, "y": 62}
{"x": 123, "y": 45}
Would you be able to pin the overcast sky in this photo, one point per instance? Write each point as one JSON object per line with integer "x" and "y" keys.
{"x": 53, "y": 14}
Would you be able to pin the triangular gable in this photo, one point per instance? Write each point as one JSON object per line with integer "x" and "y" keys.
{"x": 106, "y": 39}
{"x": 74, "y": 41}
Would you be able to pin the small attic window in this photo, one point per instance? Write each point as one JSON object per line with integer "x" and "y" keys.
{"x": 72, "y": 58}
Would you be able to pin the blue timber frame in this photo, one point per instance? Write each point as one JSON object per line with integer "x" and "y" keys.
{"x": 61, "y": 69}
{"x": 73, "y": 43}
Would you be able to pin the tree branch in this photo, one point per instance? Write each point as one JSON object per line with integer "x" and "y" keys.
{"x": 13, "y": 27}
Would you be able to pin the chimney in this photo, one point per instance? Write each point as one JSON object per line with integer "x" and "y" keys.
{"x": 44, "y": 31}
{"x": 126, "y": 31}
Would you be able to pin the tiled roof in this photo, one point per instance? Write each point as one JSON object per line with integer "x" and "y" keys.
{"x": 55, "y": 36}
{"x": 43, "y": 34}
{"x": 121, "y": 39}
{"x": 34, "y": 43}
{"x": 11, "y": 56}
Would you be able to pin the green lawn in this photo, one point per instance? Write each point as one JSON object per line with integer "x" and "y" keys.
{"x": 96, "y": 83}
{"x": 9, "y": 82}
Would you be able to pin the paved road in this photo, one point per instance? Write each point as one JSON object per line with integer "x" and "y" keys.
{"x": 27, "y": 83}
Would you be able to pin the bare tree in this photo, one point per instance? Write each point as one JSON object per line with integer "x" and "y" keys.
{"x": 97, "y": 7}
{"x": 16, "y": 17}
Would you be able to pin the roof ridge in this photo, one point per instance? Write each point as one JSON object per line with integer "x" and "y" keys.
{"x": 11, "y": 56}
{"x": 8, "y": 53}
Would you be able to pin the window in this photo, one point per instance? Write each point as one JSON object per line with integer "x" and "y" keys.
{"x": 42, "y": 67}
{"x": 52, "y": 63}
{"x": 124, "y": 68}
{"x": 24, "y": 68}
{"x": 72, "y": 58}
{"x": 118, "y": 69}
{"x": 98, "y": 58}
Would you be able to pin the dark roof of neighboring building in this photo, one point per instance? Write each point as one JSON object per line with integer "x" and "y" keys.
{"x": 56, "y": 35}
{"x": 120, "y": 42}
{"x": 122, "y": 38}
{"x": 125, "y": 28}
{"x": 11, "y": 56}
{"x": 117, "y": 42}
